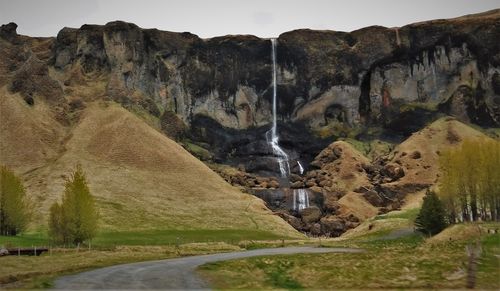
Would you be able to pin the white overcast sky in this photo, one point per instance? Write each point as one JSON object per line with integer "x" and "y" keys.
{"x": 220, "y": 17}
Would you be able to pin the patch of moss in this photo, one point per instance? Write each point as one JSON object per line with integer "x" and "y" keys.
{"x": 411, "y": 106}
{"x": 198, "y": 151}
{"x": 371, "y": 149}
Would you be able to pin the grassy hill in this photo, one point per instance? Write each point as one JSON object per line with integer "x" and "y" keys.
{"x": 142, "y": 180}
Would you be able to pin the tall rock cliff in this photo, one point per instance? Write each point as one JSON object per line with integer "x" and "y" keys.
{"x": 218, "y": 91}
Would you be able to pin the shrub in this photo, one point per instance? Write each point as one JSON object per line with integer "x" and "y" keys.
{"x": 431, "y": 218}
{"x": 75, "y": 219}
{"x": 15, "y": 208}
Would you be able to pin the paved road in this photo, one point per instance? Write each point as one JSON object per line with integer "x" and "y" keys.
{"x": 176, "y": 273}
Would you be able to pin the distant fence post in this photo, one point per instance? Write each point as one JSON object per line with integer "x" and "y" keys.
{"x": 473, "y": 253}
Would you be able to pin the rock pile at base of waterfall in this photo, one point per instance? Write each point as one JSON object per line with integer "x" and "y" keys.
{"x": 243, "y": 179}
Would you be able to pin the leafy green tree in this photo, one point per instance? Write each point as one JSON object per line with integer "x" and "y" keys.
{"x": 470, "y": 180}
{"x": 56, "y": 224}
{"x": 432, "y": 216}
{"x": 75, "y": 219}
{"x": 15, "y": 208}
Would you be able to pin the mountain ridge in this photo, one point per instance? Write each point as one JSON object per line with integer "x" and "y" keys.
{"x": 375, "y": 85}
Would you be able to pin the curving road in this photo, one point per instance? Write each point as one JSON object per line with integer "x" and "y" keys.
{"x": 176, "y": 273}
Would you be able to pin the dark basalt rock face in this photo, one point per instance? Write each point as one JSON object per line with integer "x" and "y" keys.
{"x": 218, "y": 91}
{"x": 249, "y": 149}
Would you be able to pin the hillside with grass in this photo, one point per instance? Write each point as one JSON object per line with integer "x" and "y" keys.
{"x": 141, "y": 179}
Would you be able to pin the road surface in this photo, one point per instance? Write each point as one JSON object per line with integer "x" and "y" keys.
{"x": 176, "y": 273}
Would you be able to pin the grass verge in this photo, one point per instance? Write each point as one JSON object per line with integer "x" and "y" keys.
{"x": 110, "y": 248}
{"x": 410, "y": 261}
{"x": 150, "y": 237}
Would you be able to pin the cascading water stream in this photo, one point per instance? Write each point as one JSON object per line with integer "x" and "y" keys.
{"x": 282, "y": 157}
{"x": 301, "y": 169}
{"x": 300, "y": 199}
{"x": 300, "y": 196}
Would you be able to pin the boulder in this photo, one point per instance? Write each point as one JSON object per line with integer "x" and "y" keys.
{"x": 330, "y": 202}
{"x": 332, "y": 225}
{"x": 394, "y": 171}
{"x": 4, "y": 252}
{"x": 325, "y": 182}
{"x": 312, "y": 174}
{"x": 290, "y": 219}
{"x": 273, "y": 184}
{"x": 295, "y": 178}
{"x": 315, "y": 229}
{"x": 311, "y": 183}
{"x": 416, "y": 155}
{"x": 374, "y": 198}
{"x": 351, "y": 224}
{"x": 316, "y": 189}
{"x": 297, "y": 185}
{"x": 310, "y": 214}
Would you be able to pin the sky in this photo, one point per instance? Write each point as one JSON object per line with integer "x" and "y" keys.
{"x": 211, "y": 18}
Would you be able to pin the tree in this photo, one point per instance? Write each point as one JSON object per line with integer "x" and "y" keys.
{"x": 15, "y": 208}
{"x": 431, "y": 218}
{"x": 56, "y": 225}
{"x": 470, "y": 180}
{"x": 75, "y": 219}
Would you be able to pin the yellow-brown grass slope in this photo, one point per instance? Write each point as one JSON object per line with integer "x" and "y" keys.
{"x": 419, "y": 154}
{"x": 141, "y": 179}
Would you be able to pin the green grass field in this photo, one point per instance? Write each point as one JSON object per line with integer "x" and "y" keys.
{"x": 151, "y": 238}
{"x": 410, "y": 261}
{"x": 110, "y": 248}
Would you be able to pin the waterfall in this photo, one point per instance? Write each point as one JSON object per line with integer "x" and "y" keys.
{"x": 281, "y": 155}
{"x": 300, "y": 199}
{"x": 300, "y": 196}
{"x": 301, "y": 169}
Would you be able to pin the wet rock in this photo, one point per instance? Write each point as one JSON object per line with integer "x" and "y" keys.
{"x": 295, "y": 178}
{"x": 297, "y": 185}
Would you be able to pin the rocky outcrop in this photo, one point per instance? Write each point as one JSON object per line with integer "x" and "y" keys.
{"x": 339, "y": 166}
{"x": 329, "y": 82}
